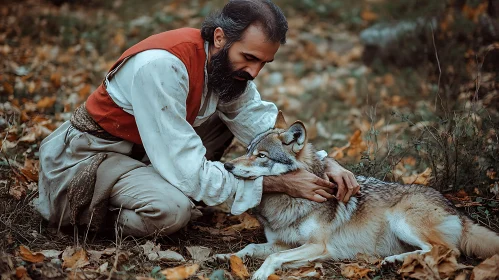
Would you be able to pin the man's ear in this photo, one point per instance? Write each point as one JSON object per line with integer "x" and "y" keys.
{"x": 295, "y": 137}
{"x": 219, "y": 38}
{"x": 280, "y": 122}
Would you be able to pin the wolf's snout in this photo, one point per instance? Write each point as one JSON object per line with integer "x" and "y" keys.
{"x": 229, "y": 166}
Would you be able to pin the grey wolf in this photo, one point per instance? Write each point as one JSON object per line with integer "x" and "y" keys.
{"x": 387, "y": 219}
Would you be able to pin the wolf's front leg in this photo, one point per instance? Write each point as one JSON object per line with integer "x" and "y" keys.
{"x": 295, "y": 257}
{"x": 260, "y": 251}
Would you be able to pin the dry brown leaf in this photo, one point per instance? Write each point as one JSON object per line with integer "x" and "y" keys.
{"x": 199, "y": 253}
{"x": 30, "y": 169}
{"x": 247, "y": 222}
{"x": 274, "y": 277}
{"x": 180, "y": 272}
{"x": 84, "y": 91}
{"x": 18, "y": 191}
{"x": 354, "y": 271}
{"x": 29, "y": 256}
{"x": 74, "y": 258}
{"x": 46, "y": 102}
{"x": 439, "y": 263}
{"x": 22, "y": 273}
{"x": 55, "y": 78}
{"x": 238, "y": 268}
{"x": 368, "y": 15}
{"x": 487, "y": 270}
{"x": 418, "y": 179}
{"x": 353, "y": 149}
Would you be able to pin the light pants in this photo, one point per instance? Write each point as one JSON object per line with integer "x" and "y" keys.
{"x": 143, "y": 202}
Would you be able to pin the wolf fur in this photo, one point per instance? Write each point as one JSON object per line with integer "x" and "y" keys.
{"x": 387, "y": 219}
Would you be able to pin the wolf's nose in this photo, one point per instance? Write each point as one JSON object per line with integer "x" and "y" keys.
{"x": 229, "y": 166}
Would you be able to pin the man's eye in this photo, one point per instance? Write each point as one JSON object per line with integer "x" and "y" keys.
{"x": 262, "y": 155}
{"x": 249, "y": 58}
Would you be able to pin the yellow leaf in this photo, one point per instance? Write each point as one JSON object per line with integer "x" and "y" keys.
{"x": 180, "y": 272}
{"x": 78, "y": 259}
{"x": 46, "y": 102}
{"x": 488, "y": 269}
{"x": 247, "y": 222}
{"x": 368, "y": 15}
{"x": 238, "y": 268}
{"x": 354, "y": 271}
{"x": 418, "y": 179}
{"x": 29, "y": 256}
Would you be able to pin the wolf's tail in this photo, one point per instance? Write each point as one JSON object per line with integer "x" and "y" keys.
{"x": 478, "y": 241}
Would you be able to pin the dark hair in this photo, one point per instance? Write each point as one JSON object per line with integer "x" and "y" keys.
{"x": 237, "y": 15}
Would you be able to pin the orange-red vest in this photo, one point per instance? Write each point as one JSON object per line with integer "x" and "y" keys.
{"x": 184, "y": 43}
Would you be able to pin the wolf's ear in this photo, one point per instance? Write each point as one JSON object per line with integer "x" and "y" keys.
{"x": 280, "y": 122}
{"x": 295, "y": 136}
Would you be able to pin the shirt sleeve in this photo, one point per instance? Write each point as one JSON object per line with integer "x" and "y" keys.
{"x": 248, "y": 115}
{"x": 159, "y": 91}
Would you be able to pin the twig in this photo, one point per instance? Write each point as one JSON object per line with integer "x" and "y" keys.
{"x": 438, "y": 63}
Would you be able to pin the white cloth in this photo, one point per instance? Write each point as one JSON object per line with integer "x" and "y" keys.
{"x": 153, "y": 86}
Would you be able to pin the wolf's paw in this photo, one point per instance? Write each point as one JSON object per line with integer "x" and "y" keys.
{"x": 390, "y": 260}
{"x": 261, "y": 274}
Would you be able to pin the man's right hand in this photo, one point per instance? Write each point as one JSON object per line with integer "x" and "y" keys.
{"x": 300, "y": 183}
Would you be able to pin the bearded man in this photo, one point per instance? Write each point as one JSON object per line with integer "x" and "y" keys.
{"x": 179, "y": 98}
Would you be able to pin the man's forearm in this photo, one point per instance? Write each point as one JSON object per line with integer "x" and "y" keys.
{"x": 272, "y": 184}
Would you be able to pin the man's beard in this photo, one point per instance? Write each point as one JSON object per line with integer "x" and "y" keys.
{"x": 221, "y": 77}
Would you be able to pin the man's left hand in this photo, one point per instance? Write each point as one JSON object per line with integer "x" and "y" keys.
{"x": 347, "y": 184}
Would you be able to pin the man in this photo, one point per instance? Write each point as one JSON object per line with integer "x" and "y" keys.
{"x": 182, "y": 95}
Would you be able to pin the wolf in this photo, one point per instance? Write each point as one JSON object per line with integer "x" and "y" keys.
{"x": 389, "y": 220}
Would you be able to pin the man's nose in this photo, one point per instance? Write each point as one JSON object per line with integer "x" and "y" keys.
{"x": 229, "y": 166}
{"x": 253, "y": 70}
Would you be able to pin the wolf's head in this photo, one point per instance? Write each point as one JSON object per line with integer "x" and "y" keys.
{"x": 274, "y": 152}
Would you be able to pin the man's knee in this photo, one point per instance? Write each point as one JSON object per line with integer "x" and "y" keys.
{"x": 170, "y": 216}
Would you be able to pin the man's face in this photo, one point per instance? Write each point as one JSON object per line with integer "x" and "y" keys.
{"x": 231, "y": 68}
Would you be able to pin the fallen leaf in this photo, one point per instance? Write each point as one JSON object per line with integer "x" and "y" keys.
{"x": 18, "y": 191}
{"x": 74, "y": 258}
{"x": 151, "y": 250}
{"x": 439, "y": 263}
{"x": 22, "y": 273}
{"x": 368, "y": 16}
{"x": 487, "y": 270}
{"x": 169, "y": 255}
{"x": 354, "y": 271}
{"x": 46, "y": 102}
{"x": 180, "y": 272}
{"x": 29, "y": 256}
{"x": 353, "y": 149}
{"x": 103, "y": 267}
{"x": 274, "y": 277}
{"x": 238, "y": 268}
{"x": 246, "y": 222}
{"x": 199, "y": 253}
{"x": 418, "y": 179}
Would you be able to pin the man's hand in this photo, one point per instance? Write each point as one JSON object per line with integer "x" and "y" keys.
{"x": 347, "y": 184}
{"x": 300, "y": 183}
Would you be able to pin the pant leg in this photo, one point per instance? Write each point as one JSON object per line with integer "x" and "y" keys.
{"x": 216, "y": 137}
{"x": 148, "y": 204}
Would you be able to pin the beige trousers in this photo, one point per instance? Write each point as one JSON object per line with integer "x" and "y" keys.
{"x": 139, "y": 198}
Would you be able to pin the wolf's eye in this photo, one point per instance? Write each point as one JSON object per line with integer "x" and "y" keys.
{"x": 260, "y": 155}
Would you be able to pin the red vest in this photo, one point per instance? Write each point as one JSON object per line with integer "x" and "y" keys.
{"x": 184, "y": 43}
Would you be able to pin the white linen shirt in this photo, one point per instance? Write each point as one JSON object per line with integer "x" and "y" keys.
{"x": 153, "y": 86}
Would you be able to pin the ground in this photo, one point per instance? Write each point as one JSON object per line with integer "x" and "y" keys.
{"x": 424, "y": 114}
